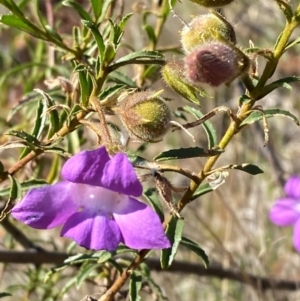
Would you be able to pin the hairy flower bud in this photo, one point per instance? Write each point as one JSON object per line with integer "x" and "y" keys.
{"x": 206, "y": 28}
{"x": 215, "y": 63}
{"x": 173, "y": 74}
{"x": 212, "y": 3}
{"x": 145, "y": 115}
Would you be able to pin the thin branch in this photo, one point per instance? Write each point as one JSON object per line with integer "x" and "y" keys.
{"x": 214, "y": 270}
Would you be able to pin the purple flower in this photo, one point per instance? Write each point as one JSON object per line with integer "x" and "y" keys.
{"x": 286, "y": 211}
{"x": 94, "y": 205}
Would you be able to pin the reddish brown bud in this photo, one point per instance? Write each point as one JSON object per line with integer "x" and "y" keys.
{"x": 206, "y": 28}
{"x": 145, "y": 115}
{"x": 215, "y": 63}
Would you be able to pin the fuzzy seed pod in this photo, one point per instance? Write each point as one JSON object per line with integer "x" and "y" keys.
{"x": 206, "y": 28}
{"x": 145, "y": 116}
{"x": 215, "y": 63}
{"x": 212, "y": 3}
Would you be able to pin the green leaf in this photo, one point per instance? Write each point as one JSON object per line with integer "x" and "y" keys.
{"x": 152, "y": 197}
{"x": 247, "y": 167}
{"x": 85, "y": 85}
{"x": 201, "y": 190}
{"x": 111, "y": 91}
{"x": 82, "y": 13}
{"x": 38, "y": 125}
{"x": 26, "y": 185}
{"x": 135, "y": 285}
{"x": 283, "y": 82}
{"x": 97, "y": 8}
{"x": 150, "y": 33}
{"x": 258, "y": 115}
{"x": 292, "y": 44}
{"x": 98, "y": 38}
{"x": 121, "y": 78}
{"x": 15, "y": 22}
{"x": 286, "y": 8}
{"x": 184, "y": 153}
{"x": 15, "y": 189}
{"x": 140, "y": 54}
{"x": 207, "y": 125}
{"x": 103, "y": 256}
{"x": 54, "y": 117}
{"x": 105, "y": 7}
{"x": 174, "y": 233}
{"x": 84, "y": 273}
{"x": 124, "y": 20}
{"x": 4, "y": 294}
{"x": 196, "y": 249}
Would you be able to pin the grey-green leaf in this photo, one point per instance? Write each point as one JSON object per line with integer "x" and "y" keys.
{"x": 258, "y": 115}
{"x": 196, "y": 249}
{"x": 135, "y": 286}
{"x": 174, "y": 233}
{"x": 184, "y": 153}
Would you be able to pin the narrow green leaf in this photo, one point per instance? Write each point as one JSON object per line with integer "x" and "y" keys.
{"x": 97, "y": 8}
{"x": 292, "y": 44}
{"x": 248, "y": 168}
{"x": 184, "y": 153}
{"x": 4, "y": 294}
{"x": 15, "y": 22}
{"x": 82, "y": 13}
{"x": 283, "y": 82}
{"x": 85, "y": 87}
{"x": 196, "y": 249}
{"x": 152, "y": 197}
{"x": 15, "y": 189}
{"x": 54, "y": 116}
{"x": 121, "y": 78}
{"x": 124, "y": 21}
{"x": 103, "y": 256}
{"x": 25, "y": 186}
{"x": 257, "y": 116}
{"x": 135, "y": 285}
{"x": 174, "y": 233}
{"x": 38, "y": 125}
{"x": 207, "y": 125}
{"x": 111, "y": 91}
{"x": 150, "y": 33}
{"x": 98, "y": 38}
{"x": 84, "y": 273}
{"x": 201, "y": 190}
{"x": 105, "y": 7}
{"x": 286, "y": 9}
{"x": 140, "y": 54}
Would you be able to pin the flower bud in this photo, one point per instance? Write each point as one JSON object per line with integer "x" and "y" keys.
{"x": 215, "y": 63}
{"x": 145, "y": 115}
{"x": 206, "y": 28}
{"x": 173, "y": 74}
{"x": 212, "y": 3}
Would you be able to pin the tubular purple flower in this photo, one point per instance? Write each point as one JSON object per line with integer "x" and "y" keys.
{"x": 286, "y": 210}
{"x": 94, "y": 205}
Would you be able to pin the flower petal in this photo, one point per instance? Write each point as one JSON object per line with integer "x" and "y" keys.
{"x": 284, "y": 212}
{"x": 92, "y": 231}
{"x": 46, "y": 207}
{"x": 86, "y": 167}
{"x": 296, "y": 236}
{"x": 141, "y": 227}
{"x": 292, "y": 187}
{"x": 119, "y": 175}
